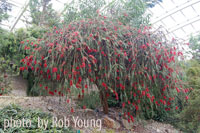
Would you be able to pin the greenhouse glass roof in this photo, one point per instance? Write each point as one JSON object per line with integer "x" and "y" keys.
{"x": 179, "y": 18}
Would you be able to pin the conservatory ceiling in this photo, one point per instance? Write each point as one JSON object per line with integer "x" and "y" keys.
{"x": 179, "y": 18}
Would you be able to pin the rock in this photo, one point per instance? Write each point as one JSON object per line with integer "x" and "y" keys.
{"x": 166, "y": 130}
{"x": 89, "y": 112}
{"x": 158, "y": 130}
{"x": 110, "y": 123}
{"x": 50, "y": 108}
{"x": 127, "y": 125}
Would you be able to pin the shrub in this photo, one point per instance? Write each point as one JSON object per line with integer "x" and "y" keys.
{"x": 189, "y": 118}
{"x": 4, "y": 84}
{"x": 17, "y": 113}
{"x": 90, "y": 100}
{"x": 139, "y": 67}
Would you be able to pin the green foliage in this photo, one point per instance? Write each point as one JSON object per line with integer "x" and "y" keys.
{"x": 5, "y": 7}
{"x": 90, "y": 100}
{"x": 17, "y": 113}
{"x": 4, "y": 84}
{"x": 42, "y": 13}
{"x": 77, "y": 10}
{"x": 195, "y": 46}
{"x": 11, "y": 51}
{"x": 10, "y": 44}
{"x": 189, "y": 119}
{"x": 116, "y": 9}
{"x": 112, "y": 102}
{"x": 193, "y": 74}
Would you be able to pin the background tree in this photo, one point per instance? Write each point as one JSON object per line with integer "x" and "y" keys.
{"x": 195, "y": 46}
{"x": 43, "y": 14}
{"x": 5, "y": 7}
{"x": 134, "y": 10}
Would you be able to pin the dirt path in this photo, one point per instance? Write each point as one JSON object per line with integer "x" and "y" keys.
{"x": 19, "y": 86}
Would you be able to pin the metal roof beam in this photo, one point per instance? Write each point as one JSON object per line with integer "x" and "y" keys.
{"x": 190, "y": 3}
{"x": 188, "y": 22}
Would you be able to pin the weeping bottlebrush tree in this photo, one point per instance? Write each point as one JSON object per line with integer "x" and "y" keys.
{"x": 139, "y": 67}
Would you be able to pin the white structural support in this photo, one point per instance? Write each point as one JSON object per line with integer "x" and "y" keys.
{"x": 20, "y": 15}
{"x": 182, "y": 20}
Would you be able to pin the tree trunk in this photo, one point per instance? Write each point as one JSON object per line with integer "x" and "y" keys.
{"x": 104, "y": 101}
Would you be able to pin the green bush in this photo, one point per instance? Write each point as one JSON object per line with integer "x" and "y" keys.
{"x": 90, "y": 100}
{"x": 193, "y": 74}
{"x": 189, "y": 118}
{"x": 4, "y": 84}
{"x": 17, "y": 113}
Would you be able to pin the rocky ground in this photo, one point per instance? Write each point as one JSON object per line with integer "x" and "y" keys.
{"x": 57, "y": 107}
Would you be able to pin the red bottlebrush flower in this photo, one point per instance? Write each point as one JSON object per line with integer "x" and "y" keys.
{"x": 177, "y": 89}
{"x": 125, "y": 54}
{"x": 58, "y": 77}
{"x": 107, "y": 94}
{"x": 104, "y": 84}
{"x": 72, "y": 110}
{"x": 97, "y": 11}
{"x": 83, "y": 65}
{"x": 186, "y": 97}
{"x": 148, "y": 95}
{"x": 123, "y": 105}
{"x": 40, "y": 85}
{"x": 51, "y": 93}
{"x": 74, "y": 41}
{"x": 129, "y": 59}
{"x": 78, "y": 85}
{"x": 86, "y": 86}
{"x": 116, "y": 96}
{"x": 136, "y": 107}
{"x": 79, "y": 96}
{"x": 84, "y": 107}
{"x": 54, "y": 70}
{"x": 45, "y": 65}
{"x": 77, "y": 68}
{"x": 48, "y": 71}
{"x": 90, "y": 70}
{"x": 138, "y": 101}
{"x": 143, "y": 93}
{"x": 124, "y": 114}
{"x": 21, "y": 68}
{"x": 79, "y": 80}
{"x": 91, "y": 35}
{"x": 125, "y": 14}
{"x": 83, "y": 91}
{"x": 68, "y": 100}
{"x": 132, "y": 119}
{"x": 156, "y": 102}
{"x": 71, "y": 82}
{"x": 134, "y": 94}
